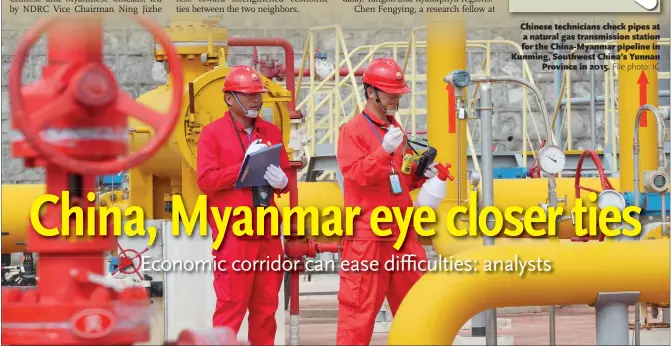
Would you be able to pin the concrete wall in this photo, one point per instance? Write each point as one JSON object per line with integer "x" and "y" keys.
{"x": 128, "y": 52}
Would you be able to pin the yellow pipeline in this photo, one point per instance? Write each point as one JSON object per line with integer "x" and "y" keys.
{"x": 441, "y": 302}
{"x": 445, "y": 52}
{"x": 163, "y": 173}
{"x": 17, "y": 200}
{"x": 631, "y": 74}
{"x": 517, "y": 192}
{"x": 191, "y": 38}
{"x": 323, "y": 194}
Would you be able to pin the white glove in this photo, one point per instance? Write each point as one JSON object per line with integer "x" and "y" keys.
{"x": 431, "y": 171}
{"x": 392, "y": 139}
{"x": 276, "y": 177}
{"x": 255, "y": 146}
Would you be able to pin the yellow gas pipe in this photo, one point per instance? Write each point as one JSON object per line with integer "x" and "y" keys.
{"x": 441, "y": 302}
{"x": 17, "y": 200}
{"x": 449, "y": 139}
{"x": 441, "y": 59}
{"x": 170, "y": 171}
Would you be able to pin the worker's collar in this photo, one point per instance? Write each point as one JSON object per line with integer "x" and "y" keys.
{"x": 240, "y": 127}
{"x": 377, "y": 120}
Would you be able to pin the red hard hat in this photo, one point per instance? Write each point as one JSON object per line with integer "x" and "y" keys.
{"x": 386, "y": 75}
{"x": 243, "y": 79}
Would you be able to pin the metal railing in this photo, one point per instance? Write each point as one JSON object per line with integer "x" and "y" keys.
{"x": 331, "y": 100}
{"x": 324, "y": 129}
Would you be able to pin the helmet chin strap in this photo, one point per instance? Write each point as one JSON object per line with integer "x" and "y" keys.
{"x": 387, "y": 112}
{"x": 250, "y": 113}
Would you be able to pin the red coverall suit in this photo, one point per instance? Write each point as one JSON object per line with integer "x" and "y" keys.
{"x": 220, "y": 156}
{"x": 366, "y": 168}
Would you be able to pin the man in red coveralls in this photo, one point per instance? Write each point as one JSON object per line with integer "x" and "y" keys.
{"x": 222, "y": 147}
{"x": 370, "y": 158}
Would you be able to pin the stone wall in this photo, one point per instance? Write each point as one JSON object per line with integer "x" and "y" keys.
{"x": 129, "y": 55}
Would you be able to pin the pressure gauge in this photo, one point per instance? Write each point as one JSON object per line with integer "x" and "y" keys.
{"x": 459, "y": 79}
{"x": 611, "y": 198}
{"x": 551, "y": 159}
{"x": 655, "y": 181}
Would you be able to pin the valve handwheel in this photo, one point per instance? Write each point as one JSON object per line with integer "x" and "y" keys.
{"x": 605, "y": 184}
{"x": 89, "y": 85}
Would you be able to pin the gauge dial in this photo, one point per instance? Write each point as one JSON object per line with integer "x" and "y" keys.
{"x": 659, "y": 181}
{"x": 611, "y": 198}
{"x": 655, "y": 181}
{"x": 551, "y": 159}
{"x": 461, "y": 78}
{"x": 458, "y": 78}
{"x": 473, "y": 178}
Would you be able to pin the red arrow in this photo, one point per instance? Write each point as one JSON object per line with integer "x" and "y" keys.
{"x": 452, "y": 114}
{"x": 643, "y": 96}
{"x": 125, "y": 262}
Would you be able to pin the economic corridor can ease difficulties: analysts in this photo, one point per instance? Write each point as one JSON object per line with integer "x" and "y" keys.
{"x": 407, "y": 262}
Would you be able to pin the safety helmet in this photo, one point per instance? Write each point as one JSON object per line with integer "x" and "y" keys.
{"x": 386, "y": 75}
{"x": 243, "y": 79}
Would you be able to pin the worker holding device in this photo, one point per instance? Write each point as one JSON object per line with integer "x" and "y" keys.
{"x": 370, "y": 156}
{"x": 222, "y": 147}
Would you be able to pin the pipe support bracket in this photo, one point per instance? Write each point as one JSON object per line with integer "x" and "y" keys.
{"x": 612, "y": 317}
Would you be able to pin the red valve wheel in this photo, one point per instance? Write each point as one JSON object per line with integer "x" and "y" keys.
{"x": 605, "y": 184}
{"x": 92, "y": 79}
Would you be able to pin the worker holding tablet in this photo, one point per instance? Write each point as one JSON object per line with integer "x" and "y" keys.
{"x": 222, "y": 147}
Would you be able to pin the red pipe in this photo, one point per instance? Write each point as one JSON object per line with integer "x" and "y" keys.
{"x": 343, "y": 72}
{"x": 294, "y": 282}
{"x": 294, "y": 307}
{"x": 535, "y": 170}
{"x": 288, "y": 58}
{"x": 605, "y": 185}
{"x": 328, "y": 247}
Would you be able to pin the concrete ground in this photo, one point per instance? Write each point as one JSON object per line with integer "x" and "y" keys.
{"x": 574, "y": 325}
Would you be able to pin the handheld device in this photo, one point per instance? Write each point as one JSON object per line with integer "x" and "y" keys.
{"x": 425, "y": 160}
